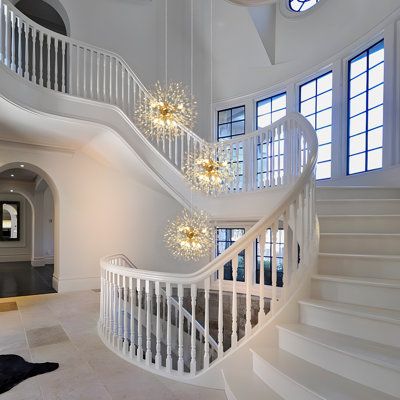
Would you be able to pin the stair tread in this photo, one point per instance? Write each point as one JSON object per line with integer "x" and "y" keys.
{"x": 382, "y": 314}
{"x": 321, "y": 382}
{"x": 376, "y": 353}
{"x": 374, "y": 256}
{"x": 245, "y": 384}
{"x": 359, "y": 234}
{"x": 393, "y": 283}
{"x": 359, "y": 216}
{"x": 357, "y": 200}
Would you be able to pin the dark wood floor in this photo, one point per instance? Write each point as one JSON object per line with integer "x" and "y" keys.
{"x": 20, "y": 279}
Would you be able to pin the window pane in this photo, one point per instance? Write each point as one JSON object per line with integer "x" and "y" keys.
{"x": 324, "y": 153}
{"x": 224, "y": 116}
{"x": 375, "y": 96}
{"x": 358, "y": 124}
{"x": 358, "y": 104}
{"x": 324, "y": 170}
{"x": 308, "y": 90}
{"x": 357, "y": 163}
{"x": 358, "y": 65}
{"x": 357, "y": 144}
{"x": 224, "y": 131}
{"x": 324, "y": 118}
{"x": 324, "y": 101}
{"x": 279, "y": 102}
{"x": 237, "y": 128}
{"x": 358, "y": 85}
{"x": 375, "y": 117}
{"x": 308, "y": 107}
{"x": 375, "y": 159}
{"x": 264, "y": 107}
{"x": 376, "y": 76}
{"x": 238, "y": 114}
{"x": 324, "y": 135}
{"x": 375, "y": 138}
{"x": 376, "y": 54}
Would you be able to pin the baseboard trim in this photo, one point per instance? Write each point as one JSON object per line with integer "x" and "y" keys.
{"x": 75, "y": 284}
{"x": 15, "y": 258}
{"x": 42, "y": 261}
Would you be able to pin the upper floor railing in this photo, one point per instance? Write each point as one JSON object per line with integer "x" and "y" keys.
{"x": 68, "y": 66}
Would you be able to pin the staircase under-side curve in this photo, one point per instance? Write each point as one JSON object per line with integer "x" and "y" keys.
{"x": 346, "y": 343}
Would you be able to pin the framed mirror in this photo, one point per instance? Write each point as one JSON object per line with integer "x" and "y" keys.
{"x": 10, "y": 221}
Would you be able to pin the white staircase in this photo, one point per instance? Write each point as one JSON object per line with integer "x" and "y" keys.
{"x": 346, "y": 344}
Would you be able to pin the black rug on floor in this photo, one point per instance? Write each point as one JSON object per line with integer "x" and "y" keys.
{"x": 14, "y": 369}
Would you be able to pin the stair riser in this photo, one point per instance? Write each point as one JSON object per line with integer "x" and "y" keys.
{"x": 352, "y": 325}
{"x": 363, "y": 372}
{"x": 342, "y": 244}
{"x": 361, "y": 193}
{"x": 287, "y": 388}
{"x": 359, "y": 267}
{"x": 367, "y": 295}
{"x": 351, "y": 224}
{"x": 358, "y": 207}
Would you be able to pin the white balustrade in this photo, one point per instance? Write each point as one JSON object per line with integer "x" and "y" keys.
{"x": 200, "y": 321}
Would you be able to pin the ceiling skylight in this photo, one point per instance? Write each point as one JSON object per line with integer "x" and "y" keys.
{"x": 302, "y": 5}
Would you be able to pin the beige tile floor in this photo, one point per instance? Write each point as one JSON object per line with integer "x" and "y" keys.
{"x": 62, "y": 328}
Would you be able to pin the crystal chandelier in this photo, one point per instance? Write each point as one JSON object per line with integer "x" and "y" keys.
{"x": 211, "y": 172}
{"x": 166, "y": 110}
{"x": 190, "y": 236}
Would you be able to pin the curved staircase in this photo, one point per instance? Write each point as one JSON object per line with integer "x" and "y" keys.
{"x": 346, "y": 343}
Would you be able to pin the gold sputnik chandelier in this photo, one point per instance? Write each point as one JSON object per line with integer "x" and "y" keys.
{"x": 166, "y": 110}
{"x": 190, "y": 236}
{"x": 211, "y": 172}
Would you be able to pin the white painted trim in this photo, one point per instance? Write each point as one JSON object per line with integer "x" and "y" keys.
{"x": 75, "y": 284}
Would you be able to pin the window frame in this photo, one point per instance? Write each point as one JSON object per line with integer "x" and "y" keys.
{"x": 315, "y": 77}
{"x": 346, "y": 102}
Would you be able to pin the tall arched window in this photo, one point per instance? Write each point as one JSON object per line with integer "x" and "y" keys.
{"x": 301, "y": 5}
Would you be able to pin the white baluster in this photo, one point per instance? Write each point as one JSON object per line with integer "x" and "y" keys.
{"x": 78, "y": 51}
{"x": 111, "y": 80}
{"x": 1, "y": 30}
{"x": 97, "y": 75}
{"x": 91, "y": 73}
{"x": 56, "y": 47}
{"x": 220, "y": 313}
{"x": 206, "y": 322}
{"x": 148, "y": 322}
{"x": 19, "y": 46}
{"x": 84, "y": 71}
{"x": 6, "y": 34}
{"x": 286, "y": 269}
{"x": 169, "y": 347}
{"x": 12, "y": 23}
{"x": 140, "y": 337}
{"x": 234, "y": 337}
{"x": 158, "y": 326}
{"x": 261, "y": 244}
{"x": 48, "y": 80}
{"x": 41, "y": 69}
{"x": 193, "y": 292}
{"x": 180, "y": 329}
{"x": 104, "y": 78}
{"x": 274, "y": 267}
{"x": 120, "y": 323}
{"x": 132, "y": 296}
{"x": 249, "y": 283}
{"x": 63, "y": 45}
{"x": 27, "y": 33}
{"x": 125, "y": 328}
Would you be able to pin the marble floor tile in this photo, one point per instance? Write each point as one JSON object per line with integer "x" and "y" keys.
{"x": 63, "y": 328}
{"x": 45, "y": 336}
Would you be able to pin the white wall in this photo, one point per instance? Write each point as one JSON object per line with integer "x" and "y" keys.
{"x": 18, "y": 250}
{"x": 302, "y": 42}
{"x": 100, "y": 212}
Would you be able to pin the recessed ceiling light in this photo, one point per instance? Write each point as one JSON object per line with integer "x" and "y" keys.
{"x": 22, "y": 165}
{"x": 12, "y": 190}
{"x": 12, "y": 175}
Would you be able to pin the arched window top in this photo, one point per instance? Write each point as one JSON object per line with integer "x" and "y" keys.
{"x": 302, "y": 5}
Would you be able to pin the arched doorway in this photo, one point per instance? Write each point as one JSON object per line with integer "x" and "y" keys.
{"x": 50, "y": 54}
{"x": 27, "y": 237}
